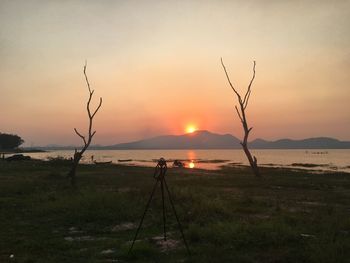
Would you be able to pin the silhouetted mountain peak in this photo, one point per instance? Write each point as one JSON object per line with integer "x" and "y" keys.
{"x": 203, "y": 139}
{"x": 309, "y": 143}
{"x": 199, "y": 132}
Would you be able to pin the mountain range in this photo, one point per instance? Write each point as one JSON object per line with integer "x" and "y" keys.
{"x": 207, "y": 140}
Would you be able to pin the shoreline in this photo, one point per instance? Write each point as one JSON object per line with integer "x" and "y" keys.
{"x": 4, "y": 151}
{"x": 307, "y": 168}
{"x": 335, "y": 160}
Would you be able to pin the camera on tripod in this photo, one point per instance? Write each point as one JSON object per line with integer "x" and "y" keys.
{"x": 160, "y": 169}
{"x": 159, "y": 175}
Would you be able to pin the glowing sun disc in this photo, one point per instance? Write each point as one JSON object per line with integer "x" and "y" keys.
{"x": 190, "y": 129}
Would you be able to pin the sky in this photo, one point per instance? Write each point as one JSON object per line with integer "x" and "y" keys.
{"x": 156, "y": 64}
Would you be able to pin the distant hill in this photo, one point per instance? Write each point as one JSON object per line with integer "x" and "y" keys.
{"x": 310, "y": 143}
{"x": 195, "y": 140}
{"x": 209, "y": 140}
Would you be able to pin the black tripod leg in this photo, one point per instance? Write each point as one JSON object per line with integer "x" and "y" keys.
{"x": 143, "y": 216}
{"x": 164, "y": 219}
{"x": 177, "y": 218}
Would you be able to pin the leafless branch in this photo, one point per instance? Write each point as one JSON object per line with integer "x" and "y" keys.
{"x": 228, "y": 79}
{"x": 242, "y": 115}
{"x": 247, "y": 95}
{"x": 98, "y": 107}
{"x": 81, "y": 136}
{"x": 246, "y": 102}
{"x": 86, "y": 78}
{"x": 78, "y": 154}
{"x": 239, "y": 115}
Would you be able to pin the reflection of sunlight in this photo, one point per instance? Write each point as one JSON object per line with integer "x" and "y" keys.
{"x": 191, "y": 155}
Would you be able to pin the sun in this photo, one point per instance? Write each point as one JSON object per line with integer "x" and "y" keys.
{"x": 190, "y": 129}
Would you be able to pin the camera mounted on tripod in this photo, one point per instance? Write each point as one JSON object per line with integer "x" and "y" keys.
{"x": 159, "y": 175}
{"x": 160, "y": 169}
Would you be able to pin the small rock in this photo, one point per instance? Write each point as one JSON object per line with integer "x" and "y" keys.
{"x": 82, "y": 238}
{"x": 12, "y": 256}
{"x": 74, "y": 230}
{"x": 107, "y": 251}
{"x": 165, "y": 245}
{"x": 124, "y": 226}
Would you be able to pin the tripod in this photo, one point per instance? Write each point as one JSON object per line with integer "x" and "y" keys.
{"x": 159, "y": 175}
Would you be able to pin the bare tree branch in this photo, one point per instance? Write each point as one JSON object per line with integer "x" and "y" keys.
{"x": 246, "y": 103}
{"x": 242, "y": 115}
{"x": 81, "y": 136}
{"x": 239, "y": 115}
{"x": 88, "y": 105}
{"x": 78, "y": 154}
{"x": 86, "y": 78}
{"x": 228, "y": 79}
{"x": 247, "y": 95}
{"x": 98, "y": 107}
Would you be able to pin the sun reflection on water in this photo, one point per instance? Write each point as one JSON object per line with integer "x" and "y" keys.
{"x": 191, "y": 155}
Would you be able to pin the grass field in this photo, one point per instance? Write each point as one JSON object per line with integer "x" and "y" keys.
{"x": 227, "y": 215}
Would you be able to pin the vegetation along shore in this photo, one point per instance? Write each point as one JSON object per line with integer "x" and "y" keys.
{"x": 228, "y": 215}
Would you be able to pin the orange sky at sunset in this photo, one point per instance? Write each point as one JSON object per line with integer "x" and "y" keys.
{"x": 157, "y": 66}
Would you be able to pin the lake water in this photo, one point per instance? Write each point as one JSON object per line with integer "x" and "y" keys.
{"x": 334, "y": 160}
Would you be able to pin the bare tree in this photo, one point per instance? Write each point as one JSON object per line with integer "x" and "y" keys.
{"x": 243, "y": 103}
{"x": 86, "y": 140}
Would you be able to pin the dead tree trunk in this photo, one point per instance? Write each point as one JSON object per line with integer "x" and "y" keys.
{"x": 79, "y": 154}
{"x": 243, "y": 103}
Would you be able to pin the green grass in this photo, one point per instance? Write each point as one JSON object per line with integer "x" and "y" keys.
{"x": 227, "y": 215}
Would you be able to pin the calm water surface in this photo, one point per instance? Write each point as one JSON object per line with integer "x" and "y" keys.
{"x": 335, "y": 160}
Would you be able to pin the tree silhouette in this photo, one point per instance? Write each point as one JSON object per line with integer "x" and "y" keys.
{"x": 91, "y": 114}
{"x": 243, "y": 103}
{"x": 10, "y": 141}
